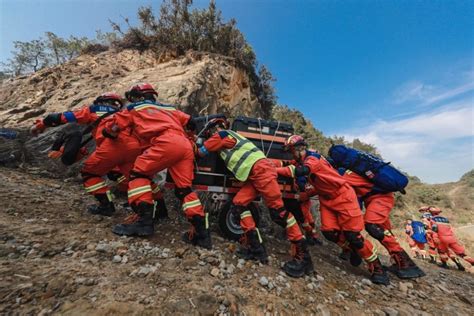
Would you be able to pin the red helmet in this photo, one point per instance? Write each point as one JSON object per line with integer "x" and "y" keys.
{"x": 109, "y": 97}
{"x": 424, "y": 209}
{"x": 293, "y": 141}
{"x": 140, "y": 90}
{"x": 221, "y": 121}
{"x": 434, "y": 210}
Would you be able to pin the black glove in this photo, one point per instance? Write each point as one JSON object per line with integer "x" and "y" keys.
{"x": 108, "y": 135}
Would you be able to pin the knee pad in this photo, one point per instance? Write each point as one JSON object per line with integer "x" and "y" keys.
{"x": 355, "y": 239}
{"x": 114, "y": 175}
{"x": 331, "y": 235}
{"x": 181, "y": 193}
{"x": 375, "y": 231}
{"x": 275, "y": 216}
{"x": 135, "y": 175}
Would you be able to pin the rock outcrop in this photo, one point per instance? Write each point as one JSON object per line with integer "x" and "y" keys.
{"x": 198, "y": 83}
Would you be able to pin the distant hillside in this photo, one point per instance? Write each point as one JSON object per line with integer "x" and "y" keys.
{"x": 455, "y": 198}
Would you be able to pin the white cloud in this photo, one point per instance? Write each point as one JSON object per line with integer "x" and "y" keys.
{"x": 412, "y": 91}
{"x": 436, "y": 146}
{"x": 451, "y": 93}
{"x": 423, "y": 94}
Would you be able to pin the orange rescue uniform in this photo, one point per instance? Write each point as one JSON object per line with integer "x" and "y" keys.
{"x": 341, "y": 217}
{"x": 161, "y": 127}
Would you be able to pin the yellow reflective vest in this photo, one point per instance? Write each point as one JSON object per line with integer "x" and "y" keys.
{"x": 241, "y": 158}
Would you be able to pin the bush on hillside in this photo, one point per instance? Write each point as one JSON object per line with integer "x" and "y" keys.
{"x": 179, "y": 29}
{"x": 37, "y": 54}
{"x": 313, "y": 136}
{"x": 468, "y": 178}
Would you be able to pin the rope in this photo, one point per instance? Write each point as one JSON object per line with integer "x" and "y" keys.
{"x": 261, "y": 138}
{"x": 274, "y": 134}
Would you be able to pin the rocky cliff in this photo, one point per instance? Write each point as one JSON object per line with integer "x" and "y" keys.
{"x": 198, "y": 83}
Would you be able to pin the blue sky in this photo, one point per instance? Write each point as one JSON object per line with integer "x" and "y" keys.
{"x": 398, "y": 74}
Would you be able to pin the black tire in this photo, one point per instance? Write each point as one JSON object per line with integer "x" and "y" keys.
{"x": 229, "y": 220}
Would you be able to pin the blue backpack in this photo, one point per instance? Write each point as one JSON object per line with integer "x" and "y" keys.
{"x": 382, "y": 174}
{"x": 419, "y": 233}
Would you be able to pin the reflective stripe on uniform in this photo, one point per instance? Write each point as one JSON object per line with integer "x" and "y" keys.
{"x": 190, "y": 204}
{"x": 292, "y": 169}
{"x": 259, "y": 236}
{"x": 96, "y": 186}
{"x": 290, "y": 222}
{"x": 121, "y": 179}
{"x": 147, "y": 106}
{"x": 110, "y": 196}
{"x": 156, "y": 189}
{"x": 245, "y": 214}
{"x": 139, "y": 190}
{"x": 373, "y": 257}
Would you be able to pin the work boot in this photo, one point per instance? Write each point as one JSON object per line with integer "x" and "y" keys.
{"x": 379, "y": 275}
{"x": 355, "y": 260}
{"x": 252, "y": 248}
{"x": 199, "y": 234}
{"x": 443, "y": 265}
{"x": 459, "y": 264}
{"x": 301, "y": 263}
{"x": 161, "y": 212}
{"x": 404, "y": 267}
{"x": 140, "y": 223}
{"x": 105, "y": 207}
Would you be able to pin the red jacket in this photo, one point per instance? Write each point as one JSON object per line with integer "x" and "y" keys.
{"x": 148, "y": 120}
{"x": 218, "y": 141}
{"x": 321, "y": 175}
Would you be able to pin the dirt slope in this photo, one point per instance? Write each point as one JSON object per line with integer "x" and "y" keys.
{"x": 54, "y": 258}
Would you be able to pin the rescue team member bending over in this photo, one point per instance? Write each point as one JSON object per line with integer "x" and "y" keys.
{"x": 341, "y": 217}
{"x": 249, "y": 165}
{"x": 105, "y": 158}
{"x": 446, "y": 241}
{"x": 425, "y": 219}
{"x": 416, "y": 238}
{"x": 378, "y": 206}
{"x": 163, "y": 128}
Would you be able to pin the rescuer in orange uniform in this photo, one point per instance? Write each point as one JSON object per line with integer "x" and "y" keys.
{"x": 105, "y": 158}
{"x": 417, "y": 248}
{"x": 425, "y": 219}
{"x": 249, "y": 165}
{"x": 378, "y": 206}
{"x": 446, "y": 241}
{"x": 341, "y": 217}
{"x": 164, "y": 128}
